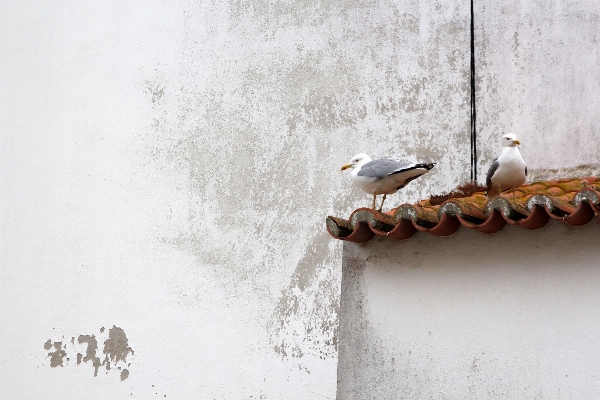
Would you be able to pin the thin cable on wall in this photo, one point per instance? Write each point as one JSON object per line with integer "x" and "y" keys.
{"x": 473, "y": 110}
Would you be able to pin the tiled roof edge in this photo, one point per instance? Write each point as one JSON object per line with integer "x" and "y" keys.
{"x": 572, "y": 201}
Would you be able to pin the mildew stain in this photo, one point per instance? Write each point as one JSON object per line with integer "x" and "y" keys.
{"x": 265, "y": 111}
{"x": 306, "y": 318}
{"x": 156, "y": 91}
{"x": 328, "y": 111}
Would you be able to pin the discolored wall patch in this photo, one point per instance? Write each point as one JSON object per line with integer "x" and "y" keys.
{"x": 56, "y": 356}
{"x": 305, "y": 321}
{"x": 253, "y": 150}
{"x": 116, "y": 347}
{"x": 114, "y": 354}
{"x": 90, "y": 353}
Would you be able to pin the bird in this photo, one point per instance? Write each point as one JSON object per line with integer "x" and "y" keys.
{"x": 383, "y": 176}
{"x": 508, "y": 170}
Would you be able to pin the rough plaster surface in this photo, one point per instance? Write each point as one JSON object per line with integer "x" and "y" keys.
{"x": 167, "y": 169}
{"x": 512, "y": 315}
{"x": 537, "y": 76}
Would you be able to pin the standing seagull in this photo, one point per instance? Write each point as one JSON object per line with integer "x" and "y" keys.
{"x": 383, "y": 176}
{"x": 508, "y": 171}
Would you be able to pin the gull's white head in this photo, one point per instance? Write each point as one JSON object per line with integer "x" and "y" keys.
{"x": 357, "y": 161}
{"x": 510, "y": 140}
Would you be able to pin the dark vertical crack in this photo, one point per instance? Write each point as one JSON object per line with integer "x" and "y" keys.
{"x": 473, "y": 109}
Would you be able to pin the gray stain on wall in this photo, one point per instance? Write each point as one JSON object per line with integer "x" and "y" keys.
{"x": 311, "y": 299}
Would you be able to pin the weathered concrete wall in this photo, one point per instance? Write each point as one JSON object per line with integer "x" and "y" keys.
{"x": 166, "y": 171}
{"x": 538, "y": 75}
{"x": 513, "y": 315}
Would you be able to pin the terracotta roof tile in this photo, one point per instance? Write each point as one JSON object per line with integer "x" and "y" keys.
{"x": 573, "y": 201}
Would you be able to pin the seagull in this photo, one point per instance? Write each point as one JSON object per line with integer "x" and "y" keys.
{"x": 383, "y": 176}
{"x": 508, "y": 171}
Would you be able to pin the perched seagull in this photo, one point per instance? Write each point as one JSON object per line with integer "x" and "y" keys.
{"x": 508, "y": 171}
{"x": 383, "y": 176}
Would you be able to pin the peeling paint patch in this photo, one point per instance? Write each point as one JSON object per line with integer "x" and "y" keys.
{"x": 124, "y": 374}
{"x": 116, "y": 350}
{"x": 90, "y": 354}
{"x": 116, "y": 347}
{"x": 56, "y": 356}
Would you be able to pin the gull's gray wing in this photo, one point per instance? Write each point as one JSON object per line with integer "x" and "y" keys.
{"x": 384, "y": 167}
{"x": 491, "y": 172}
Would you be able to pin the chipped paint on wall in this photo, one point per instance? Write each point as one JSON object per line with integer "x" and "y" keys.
{"x": 116, "y": 347}
{"x": 90, "y": 352}
{"x": 116, "y": 350}
{"x": 56, "y": 356}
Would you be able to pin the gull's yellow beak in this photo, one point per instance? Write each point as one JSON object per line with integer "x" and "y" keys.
{"x": 346, "y": 166}
{"x": 516, "y": 141}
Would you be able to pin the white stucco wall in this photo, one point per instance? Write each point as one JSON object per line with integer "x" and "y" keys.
{"x": 537, "y": 76}
{"x": 514, "y": 315}
{"x": 167, "y": 167}
{"x": 166, "y": 171}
